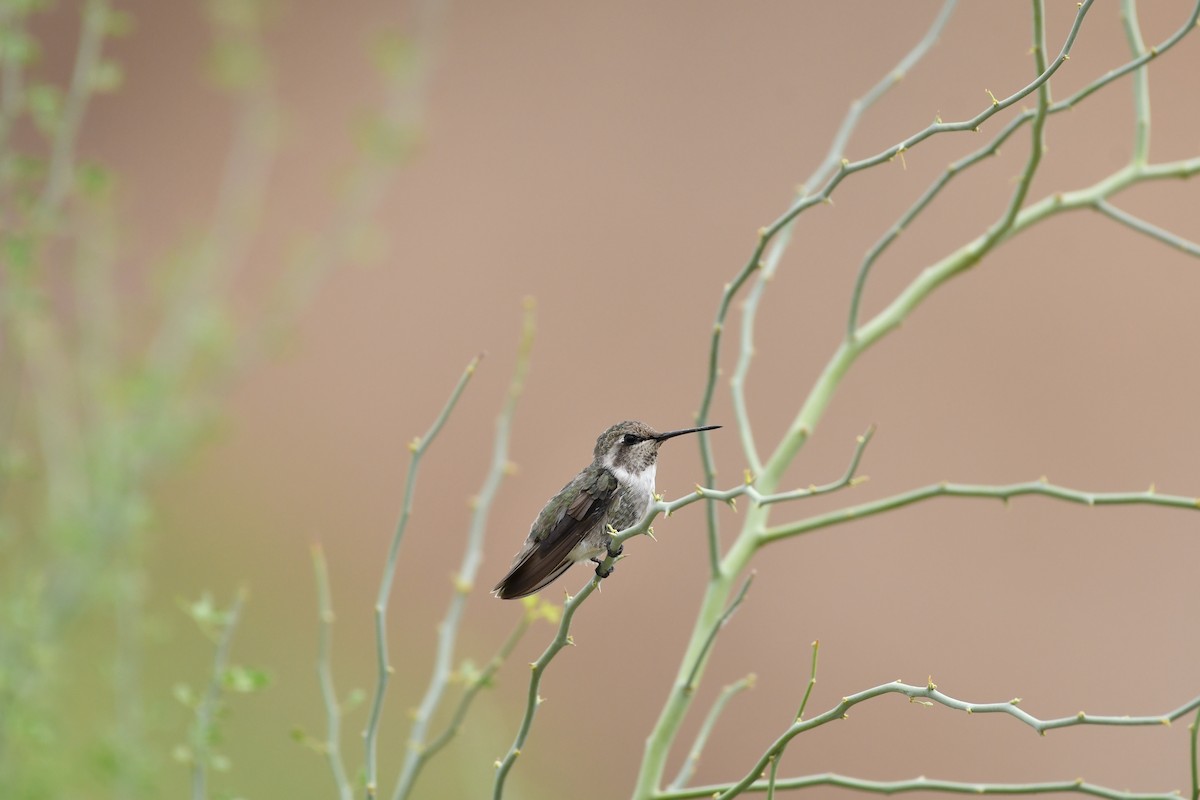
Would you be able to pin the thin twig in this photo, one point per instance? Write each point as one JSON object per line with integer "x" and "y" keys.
{"x": 960, "y": 166}
{"x": 690, "y": 683}
{"x": 923, "y": 784}
{"x": 780, "y": 243}
{"x": 417, "y": 754}
{"x": 561, "y": 639}
{"x": 206, "y": 709}
{"x": 706, "y": 728}
{"x": 418, "y": 448}
{"x": 332, "y": 746}
{"x": 849, "y": 478}
{"x": 812, "y": 680}
{"x": 928, "y": 692}
{"x": 1193, "y": 730}
{"x": 1005, "y": 493}
{"x": 477, "y": 684}
{"x": 1141, "y": 84}
{"x": 60, "y": 171}
{"x": 1146, "y": 228}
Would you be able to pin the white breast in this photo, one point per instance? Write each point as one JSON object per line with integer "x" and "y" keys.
{"x": 642, "y": 482}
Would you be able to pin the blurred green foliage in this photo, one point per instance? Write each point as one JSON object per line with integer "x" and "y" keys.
{"x": 101, "y": 390}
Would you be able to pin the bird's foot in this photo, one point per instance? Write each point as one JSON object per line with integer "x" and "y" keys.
{"x": 615, "y": 553}
{"x": 603, "y": 573}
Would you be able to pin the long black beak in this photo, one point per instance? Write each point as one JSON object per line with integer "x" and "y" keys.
{"x": 671, "y": 434}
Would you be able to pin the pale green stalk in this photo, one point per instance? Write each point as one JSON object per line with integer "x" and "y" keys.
{"x": 926, "y": 785}
{"x": 962, "y": 165}
{"x": 780, "y": 243}
{"x": 925, "y": 695}
{"x": 477, "y": 684}
{"x": 418, "y": 448}
{"x": 561, "y": 639}
{"x": 1003, "y": 493}
{"x": 1193, "y": 731}
{"x": 332, "y": 745}
{"x": 206, "y": 710}
{"x": 1146, "y": 228}
{"x": 746, "y": 545}
{"x": 61, "y": 169}
{"x": 417, "y": 754}
{"x": 1141, "y": 84}
{"x": 706, "y": 728}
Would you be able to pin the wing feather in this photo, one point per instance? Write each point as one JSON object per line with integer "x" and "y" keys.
{"x": 560, "y": 526}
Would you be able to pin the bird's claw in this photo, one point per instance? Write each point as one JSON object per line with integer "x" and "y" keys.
{"x": 615, "y": 553}
{"x": 603, "y": 573}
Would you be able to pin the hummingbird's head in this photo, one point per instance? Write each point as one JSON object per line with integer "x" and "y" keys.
{"x": 633, "y": 446}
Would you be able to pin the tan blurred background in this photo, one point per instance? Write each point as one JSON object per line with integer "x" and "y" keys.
{"x": 614, "y": 160}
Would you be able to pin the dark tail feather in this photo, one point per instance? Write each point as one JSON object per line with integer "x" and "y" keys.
{"x": 528, "y": 576}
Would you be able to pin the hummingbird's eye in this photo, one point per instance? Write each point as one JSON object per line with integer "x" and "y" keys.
{"x": 629, "y": 438}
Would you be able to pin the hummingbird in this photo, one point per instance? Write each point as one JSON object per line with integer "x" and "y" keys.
{"x": 613, "y": 491}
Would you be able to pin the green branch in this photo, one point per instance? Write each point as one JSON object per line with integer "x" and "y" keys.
{"x": 1146, "y": 228}
{"x": 706, "y": 728}
{"x": 925, "y": 695}
{"x": 926, "y": 785}
{"x": 418, "y": 448}
{"x": 960, "y": 166}
{"x": 779, "y": 244}
{"x": 1003, "y": 492}
{"x": 477, "y": 682}
{"x": 418, "y": 754}
{"x": 1141, "y": 84}
{"x": 1193, "y": 729}
{"x": 331, "y": 747}
{"x": 206, "y": 709}
{"x": 561, "y": 639}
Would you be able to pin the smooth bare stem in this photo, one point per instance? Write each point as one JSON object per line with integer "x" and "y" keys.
{"x": 772, "y": 777}
{"x": 688, "y": 767}
{"x": 477, "y": 684}
{"x": 928, "y": 695}
{"x": 714, "y": 351}
{"x": 416, "y": 755}
{"x": 690, "y": 684}
{"x": 812, "y": 680}
{"x": 1146, "y": 228}
{"x": 1193, "y": 732}
{"x": 858, "y": 107}
{"x": 1141, "y": 83}
{"x": 561, "y": 639}
{"x": 779, "y": 243}
{"x": 418, "y": 448}
{"x": 332, "y": 746}
{"x": 206, "y": 710}
{"x": 61, "y": 169}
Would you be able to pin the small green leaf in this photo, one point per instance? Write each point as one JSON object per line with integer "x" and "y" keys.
{"x": 94, "y": 180}
{"x": 107, "y": 76}
{"x": 118, "y": 23}
{"x": 353, "y": 700}
{"x": 242, "y": 15}
{"x": 45, "y": 106}
{"x": 184, "y": 694}
{"x": 17, "y": 46}
{"x": 394, "y": 54}
{"x": 245, "y": 679}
